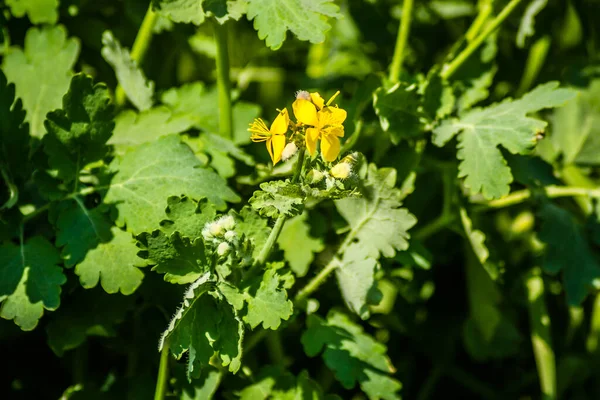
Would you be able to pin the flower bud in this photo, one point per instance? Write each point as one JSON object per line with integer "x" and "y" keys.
{"x": 303, "y": 94}
{"x": 216, "y": 229}
{"x": 315, "y": 176}
{"x": 223, "y": 249}
{"x": 227, "y": 222}
{"x": 289, "y": 150}
{"x": 230, "y": 236}
{"x": 341, "y": 170}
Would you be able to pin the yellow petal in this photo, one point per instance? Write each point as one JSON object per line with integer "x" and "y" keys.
{"x": 312, "y": 135}
{"x": 317, "y": 100}
{"x": 305, "y": 112}
{"x": 334, "y": 130}
{"x": 278, "y": 143}
{"x": 270, "y": 148}
{"x": 338, "y": 115}
{"x": 330, "y": 147}
{"x": 280, "y": 125}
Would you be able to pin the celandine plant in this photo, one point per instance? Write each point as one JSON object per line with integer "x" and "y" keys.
{"x": 423, "y": 224}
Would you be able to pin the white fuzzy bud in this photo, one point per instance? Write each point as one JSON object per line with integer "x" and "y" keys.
{"x": 223, "y": 249}
{"x": 230, "y": 236}
{"x": 227, "y": 222}
{"x": 216, "y": 229}
{"x": 341, "y": 170}
{"x": 303, "y": 94}
{"x": 289, "y": 150}
{"x": 315, "y": 176}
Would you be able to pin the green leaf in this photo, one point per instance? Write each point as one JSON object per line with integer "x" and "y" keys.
{"x": 307, "y": 19}
{"x": 42, "y": 72}
{"x": 30, "y": 281}
{"x": 187, "y": 216}
{"x": 78, "y": 132}
{"x": 377, "y": 221}
{"x": 89, "y": 313}
{"x": 253, "y": 226}
{"x": 297, "y": 244}
{"x": 222, "y": 151}
{"x": 438, "y": 98}
{"x": 477, "y": 241}
{"x": 568, "y": 251}
{"x": 181, "y": 260}
{"x": 14, "y": 142}
{"x": 155, "y": 171}
{"x": 356, "y": 279}
{"x": 79, "y": 230}
{"x": 273, "y": 382}
{"x": 38, "y": 11}
{"x": 398, "y": 111}
{"x": 130, "y": 76}
{"x": 482, "y": 130}
{"x": 576, "y": 127}
{"x": 196, "y": 11}
{"x": 113, "y": 263}
{"x": 278, "y": 198}
{"x": 221, "y": 330}
{"x": 352, "y": 355}
{"x": 527, "y": 25}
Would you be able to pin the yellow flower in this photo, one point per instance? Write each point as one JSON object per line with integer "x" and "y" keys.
{"x": 324, "y": 122}
{"x": 275, "y": 137}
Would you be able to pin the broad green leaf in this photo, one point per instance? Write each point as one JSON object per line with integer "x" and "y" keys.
{"x": 356, "y": 279}
{"x": 221, "y": 330}
{"x": 78, "y": 132}
{"x": 253, "y": 226}
{"x": 187, "y": 216}
{"x": 203, "y": 388}
{"x": 576, "y": 127}
{"x": 30, "y": 281}
{"x": 398, "y": 111}
{"x": 42, "y": 72}
{"x": 38, "y": 11}
{"x": 222, "y": 152}
{"x": 155, "y": 171}
{"x": 477, "y": 241}
{"x": 130, "y": 76}
{"x": 504, "y": 124}
{"x": 278, "y": 198}
{"x": 79, "y": 230}
{"x": 273, "y": 382}
{"x": 297, "y": 244}
{"x": 307, "y": 19}
{"x": 114, "y": 264}
{"x": 568, "y": 251}
{"x": 377, "y": 221}
{"x": 14, "y": 142}
{"x": 181, "y": 260}
{"x": 196, "y": 11}
{"x": 89, "y": 313}
{"x": 352, "y": 355}
{"x": 132, "y": 129}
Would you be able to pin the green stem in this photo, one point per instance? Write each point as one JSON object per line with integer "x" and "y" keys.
{"x": 594, "y": 335}
{"x": 540, "y": 335}
{"x": 573, "y": 176}
{"x": 223, "y": 81}
{"x": 446, "y": 217}
{"x": 401, "y": 40}
{"x": 276, "y": 352}
{"x": 449, "y": 69}
{"x": 316, "y": 282}
{"x": 428, "y": 387}
{"x": 349, "y": 144}
{"x": 552, "y": 191}
{"x": 485, "y": 9}
{"x": 163, "y": 373}
{"x": 140, "y": 46}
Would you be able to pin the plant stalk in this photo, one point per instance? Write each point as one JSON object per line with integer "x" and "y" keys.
{"x": 163, "y": 373}
{"x": 485, "y": 9}
{"x": 223, "y": 80}
{"x": 594, "y": 335}
{"x": 401, "y": 39}
{"x": 449, "y": 69}
{"x": 552, "y": 191}
{"x": 139, "y": 48}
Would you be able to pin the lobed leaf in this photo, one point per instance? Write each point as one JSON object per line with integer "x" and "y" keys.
{"x": 297, "y": 244}
{"x": 278, "y": 198}
{"x": 38, "y": 11}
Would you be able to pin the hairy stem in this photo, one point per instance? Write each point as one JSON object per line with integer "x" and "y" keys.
{"x": 223, "y": 80}
{"x": 540, "y": 335}
{"x": 401, "y": 40}
{"x": 140, "y": 46}
{"x": 315, "y": 282}
{"x": 163, "y": 373}
{"x": 449, "y": 69}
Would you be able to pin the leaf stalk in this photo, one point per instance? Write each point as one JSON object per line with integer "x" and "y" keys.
{"x": 401, "y": 39}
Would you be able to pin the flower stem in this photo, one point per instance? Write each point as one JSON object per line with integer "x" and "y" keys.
{"x": 223, "y": 81}
{"x": 163, "y": 373}
{"x": 449, "y": 69}
{"x": 140, "y": 46}
{"x": 552, "y": 191}
{"x": 485, "y": 9}
{"x": 401, "y": 40}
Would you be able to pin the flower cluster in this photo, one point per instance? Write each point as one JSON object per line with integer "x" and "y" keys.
{"x": 315, "y": 121}
{"x": 220, "y": 233}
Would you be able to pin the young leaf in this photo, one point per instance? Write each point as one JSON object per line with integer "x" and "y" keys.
{"x": 307, "y": 19}
{"x": 186, "y": 11}
{"x": 38, "y": 11}
{"x": 155, "y": 171}
{"x": 30, "y": 281}
{"x": 42, "y": 72}
{"x": 377, "y": 221}
{"x": 297, "y": 244}
{"x": 482, "y": 130}
{"x": 130, "y": 76}
{"x": 356, "y": 279}
{"x": 187, "y": 216}
{"x": 568, "y": 251}
{"x": 477, "y": 241}
{"x": 78, "y": 132}
{"x": 398, "y": 111}
{"x": 79, "y": 230}
{"x": 181, "y": 260}
{"x": 354, "y": 356}
{"x": 278, "y": 198}
{"x": 253, "y": 226}
{"x": 113, "y": 263}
